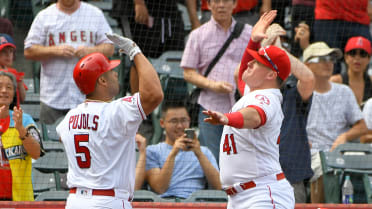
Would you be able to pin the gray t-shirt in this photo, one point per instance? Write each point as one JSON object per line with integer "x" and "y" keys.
{"x": 367, "y": 113}
{"x": 331, "y": 114}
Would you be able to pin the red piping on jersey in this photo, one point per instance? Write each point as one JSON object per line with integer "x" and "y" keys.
{"x": 271, "y": 197}
{"x": 261, "y": 113}
{"x": 143, "y": 118}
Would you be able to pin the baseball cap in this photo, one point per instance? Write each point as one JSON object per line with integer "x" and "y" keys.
{"x": 6, "y": 40}
{"x": 319, "y": 49}
{"x": 358, "y": 42}
{"x": 274, "y": 58}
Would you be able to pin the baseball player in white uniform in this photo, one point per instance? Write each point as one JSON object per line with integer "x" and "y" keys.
{"x": 250, "y": 172}
{"x": 59, "y": 36}
{"x": 99, "y": 134}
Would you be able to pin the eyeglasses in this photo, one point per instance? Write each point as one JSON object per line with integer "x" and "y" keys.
{"x": 360, "y": 52}
{"x": 182, "y": 121}
{"x": 268, "y": 58}
{"x": 327, "y": 58}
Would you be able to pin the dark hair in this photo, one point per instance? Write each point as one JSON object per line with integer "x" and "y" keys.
{"x": 175, "y": 104}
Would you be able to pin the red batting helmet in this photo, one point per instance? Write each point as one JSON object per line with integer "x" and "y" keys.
{"x": 90, "y": 68}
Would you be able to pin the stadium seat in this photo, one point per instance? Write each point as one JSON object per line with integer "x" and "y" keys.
{"x": 367, "y": 183}
{"x": 169, "y": 63}
{"x": 55, "y": 146}
{"x": 350, "y": 159}
{"x": 148, "y": 196}
{"x": 354, "y": 148}
{"x": 33, "y": 110}
{"x": 49, "y": 130}
{"x": 30, "y": 85}
{"x": 4, "y": 8}
{"x": 52, "y": 162}
{"x": 104, "y": 5}
{"x": 207, "y": 196}
{"x": 38, "y": 5}
{"x": 42, "y": 182}
{"x": 52, "y": 196}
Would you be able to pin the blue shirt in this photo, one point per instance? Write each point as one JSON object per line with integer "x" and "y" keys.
{"x": 188, "y": 175}
{"x": 294, "y": 149}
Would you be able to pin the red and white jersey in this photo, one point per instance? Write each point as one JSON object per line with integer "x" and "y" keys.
{"x": 100, "y": 145}
{"x": 246, "y": 154}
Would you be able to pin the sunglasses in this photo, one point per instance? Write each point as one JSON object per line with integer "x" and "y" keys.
{"x": 268, "y": 59}
{"x": 360, "y": 52}
{"x": 327, "y": 58}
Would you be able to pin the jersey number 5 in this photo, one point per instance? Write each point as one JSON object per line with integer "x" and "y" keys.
{"x": 82, "y": 149}
{"x": 226, "y": 144}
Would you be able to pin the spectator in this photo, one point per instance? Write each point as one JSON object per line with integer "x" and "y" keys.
{"x": 60, "y": 35}
{"x": 179, "y": 166}
{"x": 367, "y": 113}
{"x": 244, "y": 11}
{"x": 7, "y": 53}
{"x": 337, "y": 21}
{"x": 218, "y": 88}
{"x": 302, "y": 13}
{"x": 357, "y": 57}
{"x": 333, "y": 107}
{"x": 6, "y": 26}
{"x": 19, "y": 143}
{"x": 141, "y": 161}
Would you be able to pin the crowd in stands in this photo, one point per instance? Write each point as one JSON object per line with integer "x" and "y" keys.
{"x": 327, "y": 99}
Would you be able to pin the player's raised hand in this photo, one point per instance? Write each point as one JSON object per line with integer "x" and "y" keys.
{"x": 273, "y": 32}
{"x": 126, "y": 45}
{"x": 215, "y": 118}
{"x": 259, "y": 29}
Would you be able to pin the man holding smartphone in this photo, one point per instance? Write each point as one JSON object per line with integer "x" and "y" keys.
{"x": 179, "y": 166}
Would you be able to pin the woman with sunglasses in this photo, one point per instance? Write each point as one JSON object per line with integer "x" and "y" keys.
{"x": 357, "y": 57}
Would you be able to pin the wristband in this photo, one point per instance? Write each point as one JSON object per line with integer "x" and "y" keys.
{"x": 236, "y": 119}
{"x": 4, "y": 124}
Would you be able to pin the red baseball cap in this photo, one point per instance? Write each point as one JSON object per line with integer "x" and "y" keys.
{"x": 358, "y": 42}
{"x": 274, "y": 58}
{"x": 6, "y": 40}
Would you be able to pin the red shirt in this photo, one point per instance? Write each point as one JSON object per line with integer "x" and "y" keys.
{"x": 242, "y": 5}
{"x": 348, "y": 10}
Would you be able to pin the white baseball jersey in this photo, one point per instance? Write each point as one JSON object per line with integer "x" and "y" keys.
{"x": 246, "y": 154}
{"x": 51, "y": 27}
{"x": 100, "y": 145}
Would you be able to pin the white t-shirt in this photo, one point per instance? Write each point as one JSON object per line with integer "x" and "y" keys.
{"x": 367, "y": 113}
{"x": 331, "y": 114}
{"x": 99, "y": 141}
{"x": 51, "y": 27}
{"x": 246, "y": 154}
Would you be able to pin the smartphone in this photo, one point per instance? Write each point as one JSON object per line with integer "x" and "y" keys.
{"x": 190, "y": 133}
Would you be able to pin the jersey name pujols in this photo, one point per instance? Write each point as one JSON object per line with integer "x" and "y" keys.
{"x": 83, "y": 121}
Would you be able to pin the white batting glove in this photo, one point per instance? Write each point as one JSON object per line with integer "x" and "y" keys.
{"x": 126, "y": 45}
